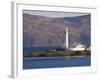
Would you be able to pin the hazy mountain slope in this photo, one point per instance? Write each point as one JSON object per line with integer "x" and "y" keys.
{"x": 40, "y": 30}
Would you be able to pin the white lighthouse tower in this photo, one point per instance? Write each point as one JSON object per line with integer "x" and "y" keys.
{"x": 66, "y": 41}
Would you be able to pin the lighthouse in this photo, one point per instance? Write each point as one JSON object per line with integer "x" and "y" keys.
{"x": 66, "y": 39}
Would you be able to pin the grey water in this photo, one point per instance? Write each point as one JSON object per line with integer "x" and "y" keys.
{"x": 56, "y": 62}
{"x": 40, "y": 48}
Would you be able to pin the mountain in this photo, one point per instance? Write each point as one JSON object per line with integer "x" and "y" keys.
{"x": 43, "y": 31}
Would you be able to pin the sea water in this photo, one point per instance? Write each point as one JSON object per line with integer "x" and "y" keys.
{"x": 54, "y": 62}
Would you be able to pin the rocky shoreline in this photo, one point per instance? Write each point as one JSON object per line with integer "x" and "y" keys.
{"x": 55, "y": 53}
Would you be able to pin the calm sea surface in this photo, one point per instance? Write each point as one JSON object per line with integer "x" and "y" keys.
{"x": 27, "y": 50}
{"x": 54, "y": 62}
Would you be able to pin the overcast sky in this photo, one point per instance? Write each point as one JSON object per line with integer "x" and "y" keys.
{"x": 53, "y": 14}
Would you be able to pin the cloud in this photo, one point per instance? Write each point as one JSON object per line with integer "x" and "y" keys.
{"x": 53, "y": 13}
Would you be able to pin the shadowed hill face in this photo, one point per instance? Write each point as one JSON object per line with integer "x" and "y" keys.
{"x": 42, "y": 31}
